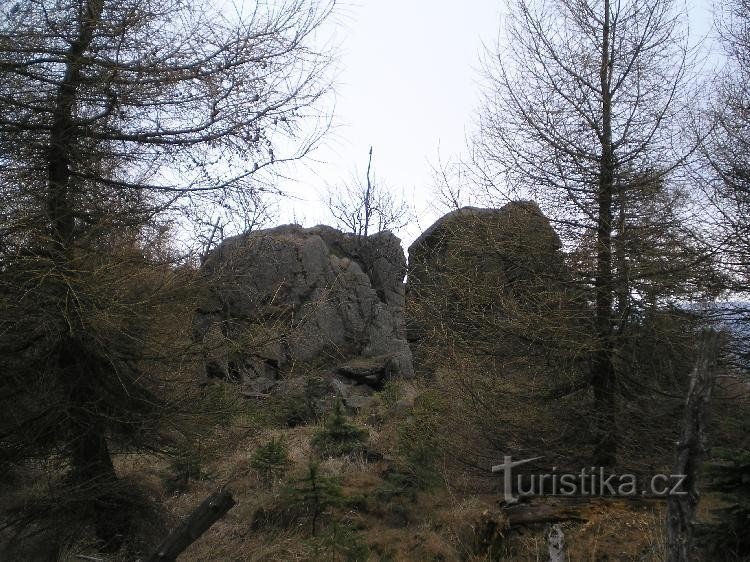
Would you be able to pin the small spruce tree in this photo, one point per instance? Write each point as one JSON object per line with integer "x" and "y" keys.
{"x": 313, "y": 494}
{"x": 339, "y": 437}
{"x": 271, "y": 459}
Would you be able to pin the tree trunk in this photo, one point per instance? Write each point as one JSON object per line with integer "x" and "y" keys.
{"x": 622, "y": 266}
{"x": 368, "y": 198}
{"x": 681, "y": 508}
{"x": 603, "y": 374}
{"x": 63, "y": 133}
{"x": 91, "y": 462}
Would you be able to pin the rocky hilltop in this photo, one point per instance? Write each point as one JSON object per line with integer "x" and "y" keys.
{"x": 289, "y": 295}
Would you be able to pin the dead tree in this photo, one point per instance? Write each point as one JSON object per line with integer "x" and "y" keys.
{"x": 556, "y": 544}
{"x": 368, "y": 206}
{"x": 681, "y": 507}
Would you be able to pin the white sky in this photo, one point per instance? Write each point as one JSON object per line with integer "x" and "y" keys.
{"x": 408, "y": 84}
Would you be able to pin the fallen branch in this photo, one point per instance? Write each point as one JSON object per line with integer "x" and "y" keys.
{"x": 557, "y": 509}
{"x": 527, "y": 514}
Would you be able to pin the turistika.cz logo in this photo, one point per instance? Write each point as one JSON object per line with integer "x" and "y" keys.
{"x": 589, "y": 481}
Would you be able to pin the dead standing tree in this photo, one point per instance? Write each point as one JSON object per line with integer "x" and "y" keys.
{"x": 690, "y": 449}
{"x": 367, "y": 207}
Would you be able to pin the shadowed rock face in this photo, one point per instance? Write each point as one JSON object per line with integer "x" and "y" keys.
{"x": 468, "y": 265}
{"x": 290, "y": 294}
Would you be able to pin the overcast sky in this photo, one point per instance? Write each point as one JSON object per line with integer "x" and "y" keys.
{"x": 408, "y": 83}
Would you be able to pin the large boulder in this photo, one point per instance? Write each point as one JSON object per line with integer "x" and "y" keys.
{"x": 290, "y": 294}
{"x": 473, "y": 265}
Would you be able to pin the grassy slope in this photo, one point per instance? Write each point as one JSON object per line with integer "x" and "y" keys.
{"x": 440, "y": 523}
{"x": 451, "y": 517}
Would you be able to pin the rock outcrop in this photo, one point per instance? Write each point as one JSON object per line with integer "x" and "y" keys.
{"x": 472, "y": 264}
{"x": 290, "y": 294}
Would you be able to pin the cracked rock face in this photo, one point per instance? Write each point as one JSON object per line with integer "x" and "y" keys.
{"x": 290, "y": 294}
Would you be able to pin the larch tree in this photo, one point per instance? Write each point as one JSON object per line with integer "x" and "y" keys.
{"x": 725, "y": 163}
{"x": 118, "y": 119}
{"x": 583, "y": 112}
{"x": 724, "y": 171}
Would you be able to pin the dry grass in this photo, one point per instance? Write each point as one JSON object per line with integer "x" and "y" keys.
{"x": 618, "y": 531}
{"x": 439, "y": 525}
{"x": 446, "y": 523}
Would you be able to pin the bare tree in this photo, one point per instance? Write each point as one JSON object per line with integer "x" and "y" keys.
{"x": 212, "y": 224}
{"x": 364, "y": 207}
{"x": 450, "y": 184}
{"x": 584, "y": 99}
{"x": 117, "y": 117}
{"x": 725, "y": 164}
